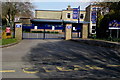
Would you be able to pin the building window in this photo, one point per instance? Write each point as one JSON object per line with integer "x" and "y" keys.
{"x": 81, "y": 16}
{"x": 68, "y": 15}
{"x": 93, "y": 29}
{"x": 93, "y": 32}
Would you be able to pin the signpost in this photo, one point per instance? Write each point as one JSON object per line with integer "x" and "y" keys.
{"x": 7, "y": 29}
{"x": 114, "y": 25}
{"x": 78, "y": 14}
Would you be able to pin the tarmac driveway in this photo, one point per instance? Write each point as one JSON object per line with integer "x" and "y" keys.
{"x": 60, "y": 59}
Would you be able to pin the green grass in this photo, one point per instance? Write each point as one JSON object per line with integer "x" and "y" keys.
{"x": 7, "y": 41}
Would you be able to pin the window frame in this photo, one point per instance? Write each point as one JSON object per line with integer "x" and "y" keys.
{"x": 68, "y": 15}
{"x": 82, "y": 15}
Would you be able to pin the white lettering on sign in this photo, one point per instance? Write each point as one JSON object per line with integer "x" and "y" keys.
{"x": 35, "y": 27}
{"x": 53, "y": 27}
{"x": 79, "y": 34}
{"x": 74, "y": 28}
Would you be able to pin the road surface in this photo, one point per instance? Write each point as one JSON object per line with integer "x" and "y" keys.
{"x": 59, "y": 59}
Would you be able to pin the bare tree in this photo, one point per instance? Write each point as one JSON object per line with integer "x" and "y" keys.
{"x": 10, "y": 10}
{"x": 0, "y": 14}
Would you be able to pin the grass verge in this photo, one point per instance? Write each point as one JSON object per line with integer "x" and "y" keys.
{"x": 7, "y": 41}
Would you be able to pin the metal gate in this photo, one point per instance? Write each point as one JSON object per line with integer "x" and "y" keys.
{"x": 43, "y": 31}
{"x": 76, "y": 31}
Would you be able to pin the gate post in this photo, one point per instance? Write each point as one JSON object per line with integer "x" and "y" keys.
{"x": 68, "y": 31}
{"x": 18, "y": 30}
{"x": 85, "y": 31}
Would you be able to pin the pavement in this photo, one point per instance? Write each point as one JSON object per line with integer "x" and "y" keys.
{"x": 60, "y": 59}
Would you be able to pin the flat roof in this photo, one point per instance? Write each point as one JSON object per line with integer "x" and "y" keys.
{"x": 57, "y": 21}
{"x": 47, "y": 20}
{"x": 49, "y": 10}
{"x": 56, "y": 10}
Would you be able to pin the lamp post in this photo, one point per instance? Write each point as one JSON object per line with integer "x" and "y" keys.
{"x": 78, "y": 14}
{"x": 79, "y": 20}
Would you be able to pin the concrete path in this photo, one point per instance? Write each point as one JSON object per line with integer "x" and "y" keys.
{"x": 59, "y": 59}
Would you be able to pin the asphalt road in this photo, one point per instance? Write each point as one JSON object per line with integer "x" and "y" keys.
{"x": 60, "y": 59}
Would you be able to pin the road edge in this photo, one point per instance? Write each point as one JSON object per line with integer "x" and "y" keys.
{"x": 101, "y": 43}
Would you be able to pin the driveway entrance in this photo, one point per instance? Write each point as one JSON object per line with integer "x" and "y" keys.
{"x": 59, "y": 59}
